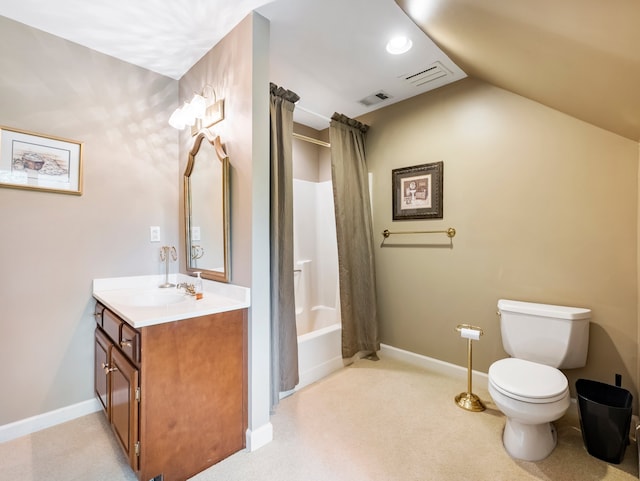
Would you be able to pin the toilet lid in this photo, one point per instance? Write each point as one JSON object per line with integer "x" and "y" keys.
{"x": 528, "y": 381}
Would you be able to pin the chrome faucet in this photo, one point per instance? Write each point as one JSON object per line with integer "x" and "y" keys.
{"x": 166, "y": 254}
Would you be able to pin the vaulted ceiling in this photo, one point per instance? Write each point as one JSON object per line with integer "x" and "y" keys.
{"x": 581, "y": 57}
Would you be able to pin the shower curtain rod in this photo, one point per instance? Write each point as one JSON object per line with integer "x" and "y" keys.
{"x": 312, "y": 140}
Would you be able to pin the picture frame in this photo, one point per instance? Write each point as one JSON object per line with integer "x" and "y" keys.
{"x": 417, "y": 192}
{"x": 33, "y": 161}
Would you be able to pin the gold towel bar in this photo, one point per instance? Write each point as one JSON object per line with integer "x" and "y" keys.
{"x": 451, "y": 232}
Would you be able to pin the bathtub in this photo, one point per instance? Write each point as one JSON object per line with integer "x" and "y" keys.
{"x": 319, "y": 350}
{"x": 319, "y": 330}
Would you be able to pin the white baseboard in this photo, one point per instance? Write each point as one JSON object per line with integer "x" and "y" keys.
{"x": 46, "y": 420}
{"x": 257, "y": 438}
{"x": 479, "y": 379}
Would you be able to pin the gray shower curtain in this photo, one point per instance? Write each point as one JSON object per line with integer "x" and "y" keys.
{"x": 355, "y": 237}
{"x": 284, "y": 339}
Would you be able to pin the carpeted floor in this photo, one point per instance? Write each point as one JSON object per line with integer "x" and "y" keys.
{"x": 381, "y": 421}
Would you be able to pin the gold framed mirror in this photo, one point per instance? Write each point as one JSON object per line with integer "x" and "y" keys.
{"x": 206, "y": 204}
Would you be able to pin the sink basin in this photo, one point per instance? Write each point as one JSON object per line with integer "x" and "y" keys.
{"x": 152, "y": 299}
{"x": 141, "y": 302}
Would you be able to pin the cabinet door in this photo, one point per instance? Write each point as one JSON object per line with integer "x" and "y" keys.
{"x": 101, "y": 379}
{"x": 123, "y": 404}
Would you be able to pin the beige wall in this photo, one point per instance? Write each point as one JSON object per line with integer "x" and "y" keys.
{"x": 227, "y": 67}
{"x": 305, "y": 154}
{"x": 545, "y": 208}
{"x": 311, "y": 161}
{"x": 237, "y": 69}
{"x": 53, "y": 245}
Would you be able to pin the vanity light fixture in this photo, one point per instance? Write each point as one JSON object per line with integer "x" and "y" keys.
{"x": 198, "y": 106}
{"x": 399, "y": 45}
{"x": 201, "y": 112}
{"x": 177, "y": 120}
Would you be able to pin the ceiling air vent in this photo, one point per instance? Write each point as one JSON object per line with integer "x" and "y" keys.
{"x": 375, "y": 98}
{"x": 431, "y": 73}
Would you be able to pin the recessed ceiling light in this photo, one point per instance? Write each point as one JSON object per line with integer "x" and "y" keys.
{"x": 398, "y": 45}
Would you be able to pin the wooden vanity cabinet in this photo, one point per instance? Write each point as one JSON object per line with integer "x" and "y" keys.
{"x": 175, "y": 393}
{"x": 117, "y": 384}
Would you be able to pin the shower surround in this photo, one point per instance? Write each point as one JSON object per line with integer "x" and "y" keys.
{"x": 316, "y": 281}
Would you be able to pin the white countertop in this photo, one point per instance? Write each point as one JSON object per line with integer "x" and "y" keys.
{"x": 140, "y": 302}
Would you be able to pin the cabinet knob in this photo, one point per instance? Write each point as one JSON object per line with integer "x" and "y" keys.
{"x": 108, "y": 369}
{"x": 125, "y": 343}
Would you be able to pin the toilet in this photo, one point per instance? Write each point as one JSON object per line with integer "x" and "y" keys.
{"x": 528, "y": 387}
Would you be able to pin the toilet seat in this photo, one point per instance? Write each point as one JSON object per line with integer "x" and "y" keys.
{"x": 528, "y": 381}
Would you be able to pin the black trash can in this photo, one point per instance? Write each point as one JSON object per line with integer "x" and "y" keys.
{"x": 605, "y": 419}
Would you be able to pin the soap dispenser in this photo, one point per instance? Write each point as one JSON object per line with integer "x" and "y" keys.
{"x": 198, "y": 286}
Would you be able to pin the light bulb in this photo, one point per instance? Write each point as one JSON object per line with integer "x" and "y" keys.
{"x": 398, "y": 45}
{"x": 188, "y": 114}
{"x": 199, "y": 106}
{"x": 177, "y": 119}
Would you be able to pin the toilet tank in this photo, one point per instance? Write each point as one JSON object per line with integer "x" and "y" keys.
{"x": 557, "y": 336}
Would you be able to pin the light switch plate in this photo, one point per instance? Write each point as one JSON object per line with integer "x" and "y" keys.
{"x": 154, "y": 233}
{"x": 195, "y": 233}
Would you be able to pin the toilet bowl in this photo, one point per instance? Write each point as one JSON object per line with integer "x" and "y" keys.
{"x": 531, "y": 396}
{"x": 528, "y": 386}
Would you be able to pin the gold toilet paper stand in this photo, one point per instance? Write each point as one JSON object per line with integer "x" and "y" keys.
{"x": 468, "y": 400}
